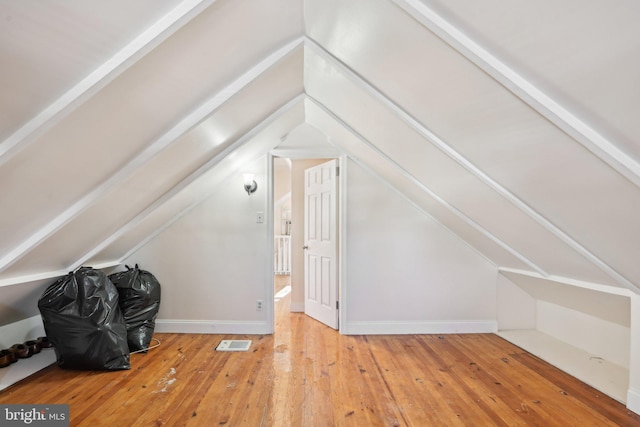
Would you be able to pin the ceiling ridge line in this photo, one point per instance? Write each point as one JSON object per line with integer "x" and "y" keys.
{"x": 409, "y": 176}
{"x": 185, "y": 182}
{"x": 436, "y": 141}
{"x": 161, "y": 143}
{"x": 543, "y": 104}
{"x": 100, "y": 77}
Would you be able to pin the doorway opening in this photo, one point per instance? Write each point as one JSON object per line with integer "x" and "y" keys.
{"x": 288, "y": 215}
{"x": 282, "y": 207}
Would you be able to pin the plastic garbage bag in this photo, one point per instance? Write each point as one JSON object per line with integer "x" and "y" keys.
{"x": 139, "y": 301}
{"x": 83, "y": 321}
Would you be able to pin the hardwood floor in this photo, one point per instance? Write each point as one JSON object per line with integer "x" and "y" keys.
{"x": 308, "y": 375}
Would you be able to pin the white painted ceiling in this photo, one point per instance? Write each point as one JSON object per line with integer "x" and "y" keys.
{"x": 511, "y": 123}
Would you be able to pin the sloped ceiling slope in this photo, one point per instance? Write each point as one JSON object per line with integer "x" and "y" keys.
{"x": 47, "y": 47}
{"x": 473, "y": 141}
{"x": 81, "y": 174}
{"x": 511, "y": 125}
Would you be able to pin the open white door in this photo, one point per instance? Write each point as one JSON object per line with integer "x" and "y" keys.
{"x": 321, "y": 243}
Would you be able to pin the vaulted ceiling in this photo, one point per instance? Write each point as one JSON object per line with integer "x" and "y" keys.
{"x": 513, "y": 124}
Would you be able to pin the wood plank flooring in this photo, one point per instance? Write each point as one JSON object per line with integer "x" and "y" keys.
{"x": 308, "y": 375}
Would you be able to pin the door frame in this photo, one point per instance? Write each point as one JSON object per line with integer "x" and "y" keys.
{"x": 342, "y": 232}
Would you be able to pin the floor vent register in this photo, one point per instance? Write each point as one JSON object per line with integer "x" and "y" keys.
{"x": 234, "y": 345}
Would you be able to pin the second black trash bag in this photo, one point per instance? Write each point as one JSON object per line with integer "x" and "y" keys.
{"x": 83, "y": 321}
{"x": 139, "y": 301}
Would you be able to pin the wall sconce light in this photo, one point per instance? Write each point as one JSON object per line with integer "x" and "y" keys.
{"x": 250, "y": 185}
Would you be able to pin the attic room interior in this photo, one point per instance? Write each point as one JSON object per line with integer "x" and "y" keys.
{"x": 484, "y": 162}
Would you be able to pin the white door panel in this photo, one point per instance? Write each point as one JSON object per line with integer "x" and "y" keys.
{"x": 320, "y": 236}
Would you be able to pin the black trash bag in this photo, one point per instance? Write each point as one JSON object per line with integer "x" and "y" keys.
{"x": 84, "y": 323}
{"x": 139, "y": 301}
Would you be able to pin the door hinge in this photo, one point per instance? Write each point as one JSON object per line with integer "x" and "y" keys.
{"x": 337, "y": 170}
{"x": 337, "y": 305}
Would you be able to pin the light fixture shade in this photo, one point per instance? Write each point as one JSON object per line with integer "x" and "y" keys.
{"x": 250, "y": 185}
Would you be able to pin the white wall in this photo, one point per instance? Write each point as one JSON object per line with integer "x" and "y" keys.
{"x": 212, "y": 262}
{"x": 516, "y": 308}
{"x": 406, "y": 273}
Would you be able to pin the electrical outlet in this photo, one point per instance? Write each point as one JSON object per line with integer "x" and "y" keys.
{"x": 259, "y": 305}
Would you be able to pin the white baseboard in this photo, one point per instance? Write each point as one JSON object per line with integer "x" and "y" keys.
{"x": 633, "y": 400}
{"x": 296, "y": 307}
{"x": 403, "y": 328}
{"x": 211, "y": 327}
